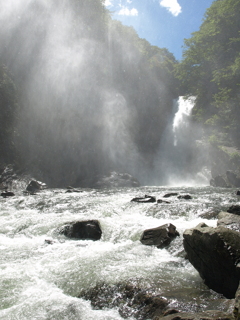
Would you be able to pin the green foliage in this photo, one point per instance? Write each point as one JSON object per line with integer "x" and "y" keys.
{"x": 210, "y": 69}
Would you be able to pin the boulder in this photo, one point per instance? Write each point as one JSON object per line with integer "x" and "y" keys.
{"x": 6, "y": 194}
{"x": 185, "y": 196}
{"x": 229, "y": 220}
{"x": 235, "y": 209}
{"x": 206, "y": 315}
{"x": 82, "y": 230}
{"x": 215, "y": 252}
{"x": 35, "y": 186}
{"x": 160, "y": 237}
{"x": 73, "y": 190}
{"x": 237, "y": 304}
{"x": 171, "y": 194}
{"x": 130, "y": 300}
{"x": 144, "y": 199}
{"x": 162, "y": 201}
{"x": 211, "y": 214}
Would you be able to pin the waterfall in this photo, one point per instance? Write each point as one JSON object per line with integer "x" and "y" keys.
{"x": 182, "y": 158}
{"x": 181, "y": 121}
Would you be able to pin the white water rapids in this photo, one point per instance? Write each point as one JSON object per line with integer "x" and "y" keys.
{"x": 40, "y": 281}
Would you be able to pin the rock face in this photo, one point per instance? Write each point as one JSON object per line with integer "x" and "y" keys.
{"x": 160, "y": 237}
{"x": 116, "y": 180}
{"x": 215, "y": 252}
{"x": 219, "y": 181}
{"x": 225, "y": 166}
{"x": 82, "y": 230}
{"x": 128, "y": 298}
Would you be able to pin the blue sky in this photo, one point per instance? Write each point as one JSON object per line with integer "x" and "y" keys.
{"x": 164, "y": 23}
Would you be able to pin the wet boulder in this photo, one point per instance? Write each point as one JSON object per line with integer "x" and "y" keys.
{"x": 235, "y": 209}
{"x": 229, "y": 220}
{"x": 162, "y": 201}
{"x": 171, "y": 194}
{"x": 82, "y": 230}
{"x": 206, "y": 315}
{"x": 160, "y": 237}
{"x": 7, "y": 194}
{"x": 129, "y": 299}
{"x": 237, "y": 304}
{"x": 144, "y": 199}
{"x": 215, "y": 252}
{"x": 185, "y": 197}
{"x": 35, "y": 186}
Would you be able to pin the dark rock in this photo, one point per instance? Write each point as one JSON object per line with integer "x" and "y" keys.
{"x": 185, "y": 196}
{"x": 219, "y": 181}
{"x": 116, "y": 180}
{"x": 235, "y": 209}
{"x": 237, "y": 304}
{"x": 7, "y": 194}
{"x": 212, "y": 214}
{"x": 214, "y": 252}
{"x": 160, "y": 237}
{"x": 82, "y": 230}
{"x": 130, "y": 299}
{"x": 35, "y": 186}
{"x": 48, "y": 241}
{"x": 144, "y": 199}
{"x": 206, "y": 315}
{"x": 238, "y": 193}
{"x": 170, "y": 311}
{"x": 162, "y": 201}
{"x": 229, "y": 220}
{"x": 233, "y": 179}
{"x": 172, "y": 194}
{"x": 73, "y": 190}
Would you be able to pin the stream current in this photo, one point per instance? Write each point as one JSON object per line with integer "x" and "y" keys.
{"x": 42, "y": 273}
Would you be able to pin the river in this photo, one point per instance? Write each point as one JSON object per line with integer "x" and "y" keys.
{"x": 42, "y": 273}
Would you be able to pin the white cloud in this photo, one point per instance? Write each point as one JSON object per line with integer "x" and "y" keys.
{"x": 108, "y": 3}
{"x": 172, "y": 5}
{"x": 128, "y": 12}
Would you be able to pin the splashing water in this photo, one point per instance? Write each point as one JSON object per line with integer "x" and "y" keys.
{"x": 182, "y": 117}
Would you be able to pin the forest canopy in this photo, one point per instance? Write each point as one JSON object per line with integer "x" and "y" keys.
{"x": 210, "y": 70}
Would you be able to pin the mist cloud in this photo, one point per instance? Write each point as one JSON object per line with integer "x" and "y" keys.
{"x": 172, "y": 6}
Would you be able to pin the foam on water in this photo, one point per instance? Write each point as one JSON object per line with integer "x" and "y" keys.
{"x": 42, "y": 281}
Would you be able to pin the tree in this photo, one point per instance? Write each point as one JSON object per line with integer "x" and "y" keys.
{"x": 210, "y": 69}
